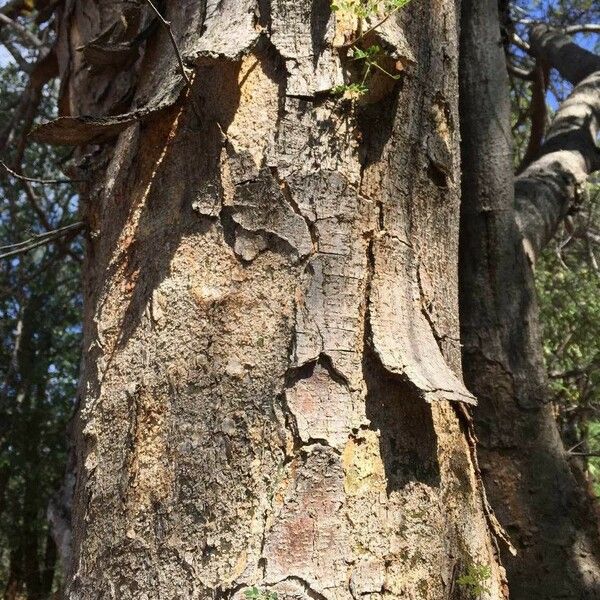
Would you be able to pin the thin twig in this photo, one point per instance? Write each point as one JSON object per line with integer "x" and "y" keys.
{"x": 373, "y": 28}
{"x": 186, "y": 78}
{"x": 40, "y": 240}
{"x": 570, "y": 450}
{"x": 34, "y": 201}
{"x": 35, "y": 180}
{"x": 592, "y": 454}
{"x": 44, "y": 235}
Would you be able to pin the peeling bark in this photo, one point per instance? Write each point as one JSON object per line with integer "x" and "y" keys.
{"x": 272, "y": 367}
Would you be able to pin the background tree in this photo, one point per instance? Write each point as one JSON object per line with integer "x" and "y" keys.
{"x": 40, "y": 316}
{"x": 506, "y": 222}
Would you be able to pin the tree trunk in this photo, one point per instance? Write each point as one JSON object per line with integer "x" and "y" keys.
{"x": 524, "y": 463}
{"x": 271, "y": 383}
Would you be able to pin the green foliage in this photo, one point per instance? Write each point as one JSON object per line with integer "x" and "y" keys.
{"x": 255, "y": 593}
{"x": 350, "y": 90}
{"x": 363, "y": 9}
{"x": 369, "y": 57}
{"x": 357, "y": 8}
{"x": 568, "y": 282}
{"x": 475, "y": 580}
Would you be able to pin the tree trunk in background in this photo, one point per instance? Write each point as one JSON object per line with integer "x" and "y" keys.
{"x": 524, "y": 464}
{"x": 271, "y": 378}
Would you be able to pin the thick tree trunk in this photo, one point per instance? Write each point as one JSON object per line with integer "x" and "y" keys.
{"x": 523, "y": 460}
{"x": 272, "y": 389}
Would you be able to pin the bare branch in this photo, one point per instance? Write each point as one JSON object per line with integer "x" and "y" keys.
{"x": 573, "y": 62}
{"x": 12, "y": 6}
{"x": 23, "y": 64}
{"x": 592, "y": 236}
{"x": 586, "y": 28}
{"x": 42, "y": 71}
{"x": 518, "y": 72}
{"x": 41, "y": 240}
{"x": 579, "y": 443}
{"x": 593, "y": 262}
{"x": 34, "y": 201}
{"x": 537, "y": 113}
{"x": 589, "y": 454}
{"x": 520, "y": 43}
{"x": 23, "y": 32}
{"x": 35, "y": 180}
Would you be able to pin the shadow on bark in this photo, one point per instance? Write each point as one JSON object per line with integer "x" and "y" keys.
{"x": 375, "y": 123}
{"x": 408, "y": 442}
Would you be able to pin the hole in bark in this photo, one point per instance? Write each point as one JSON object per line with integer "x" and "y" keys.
{"x": 437, "y": 175}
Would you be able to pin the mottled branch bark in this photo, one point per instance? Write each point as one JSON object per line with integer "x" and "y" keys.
{"x": 551, "y": 186}
{"x": 573, "y": 62}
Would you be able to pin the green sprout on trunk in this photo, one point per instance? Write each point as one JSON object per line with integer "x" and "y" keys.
{"x": 475, "y": 580}
{"x": 364, "y": 9}
{"x": 255, "y": 593}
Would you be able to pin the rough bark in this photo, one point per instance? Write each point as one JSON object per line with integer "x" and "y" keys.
{"x": 271, "y": 382}
{"x": 525, "y": 468}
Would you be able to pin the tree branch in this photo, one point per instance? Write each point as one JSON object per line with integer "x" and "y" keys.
{"x": 21, "y": 62}
{"x": 518, "y": 72}
{"x": 23, "y": 32}
{"x": 12, "y": 7}
{"x": 40, "y": 240}
{"x": 573, "y": 62}
{"x": 36, "y": 180}
{"x": 520, "y": 43}
{"x": 547, "y": 189}
{"x": 586, "y": 28}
